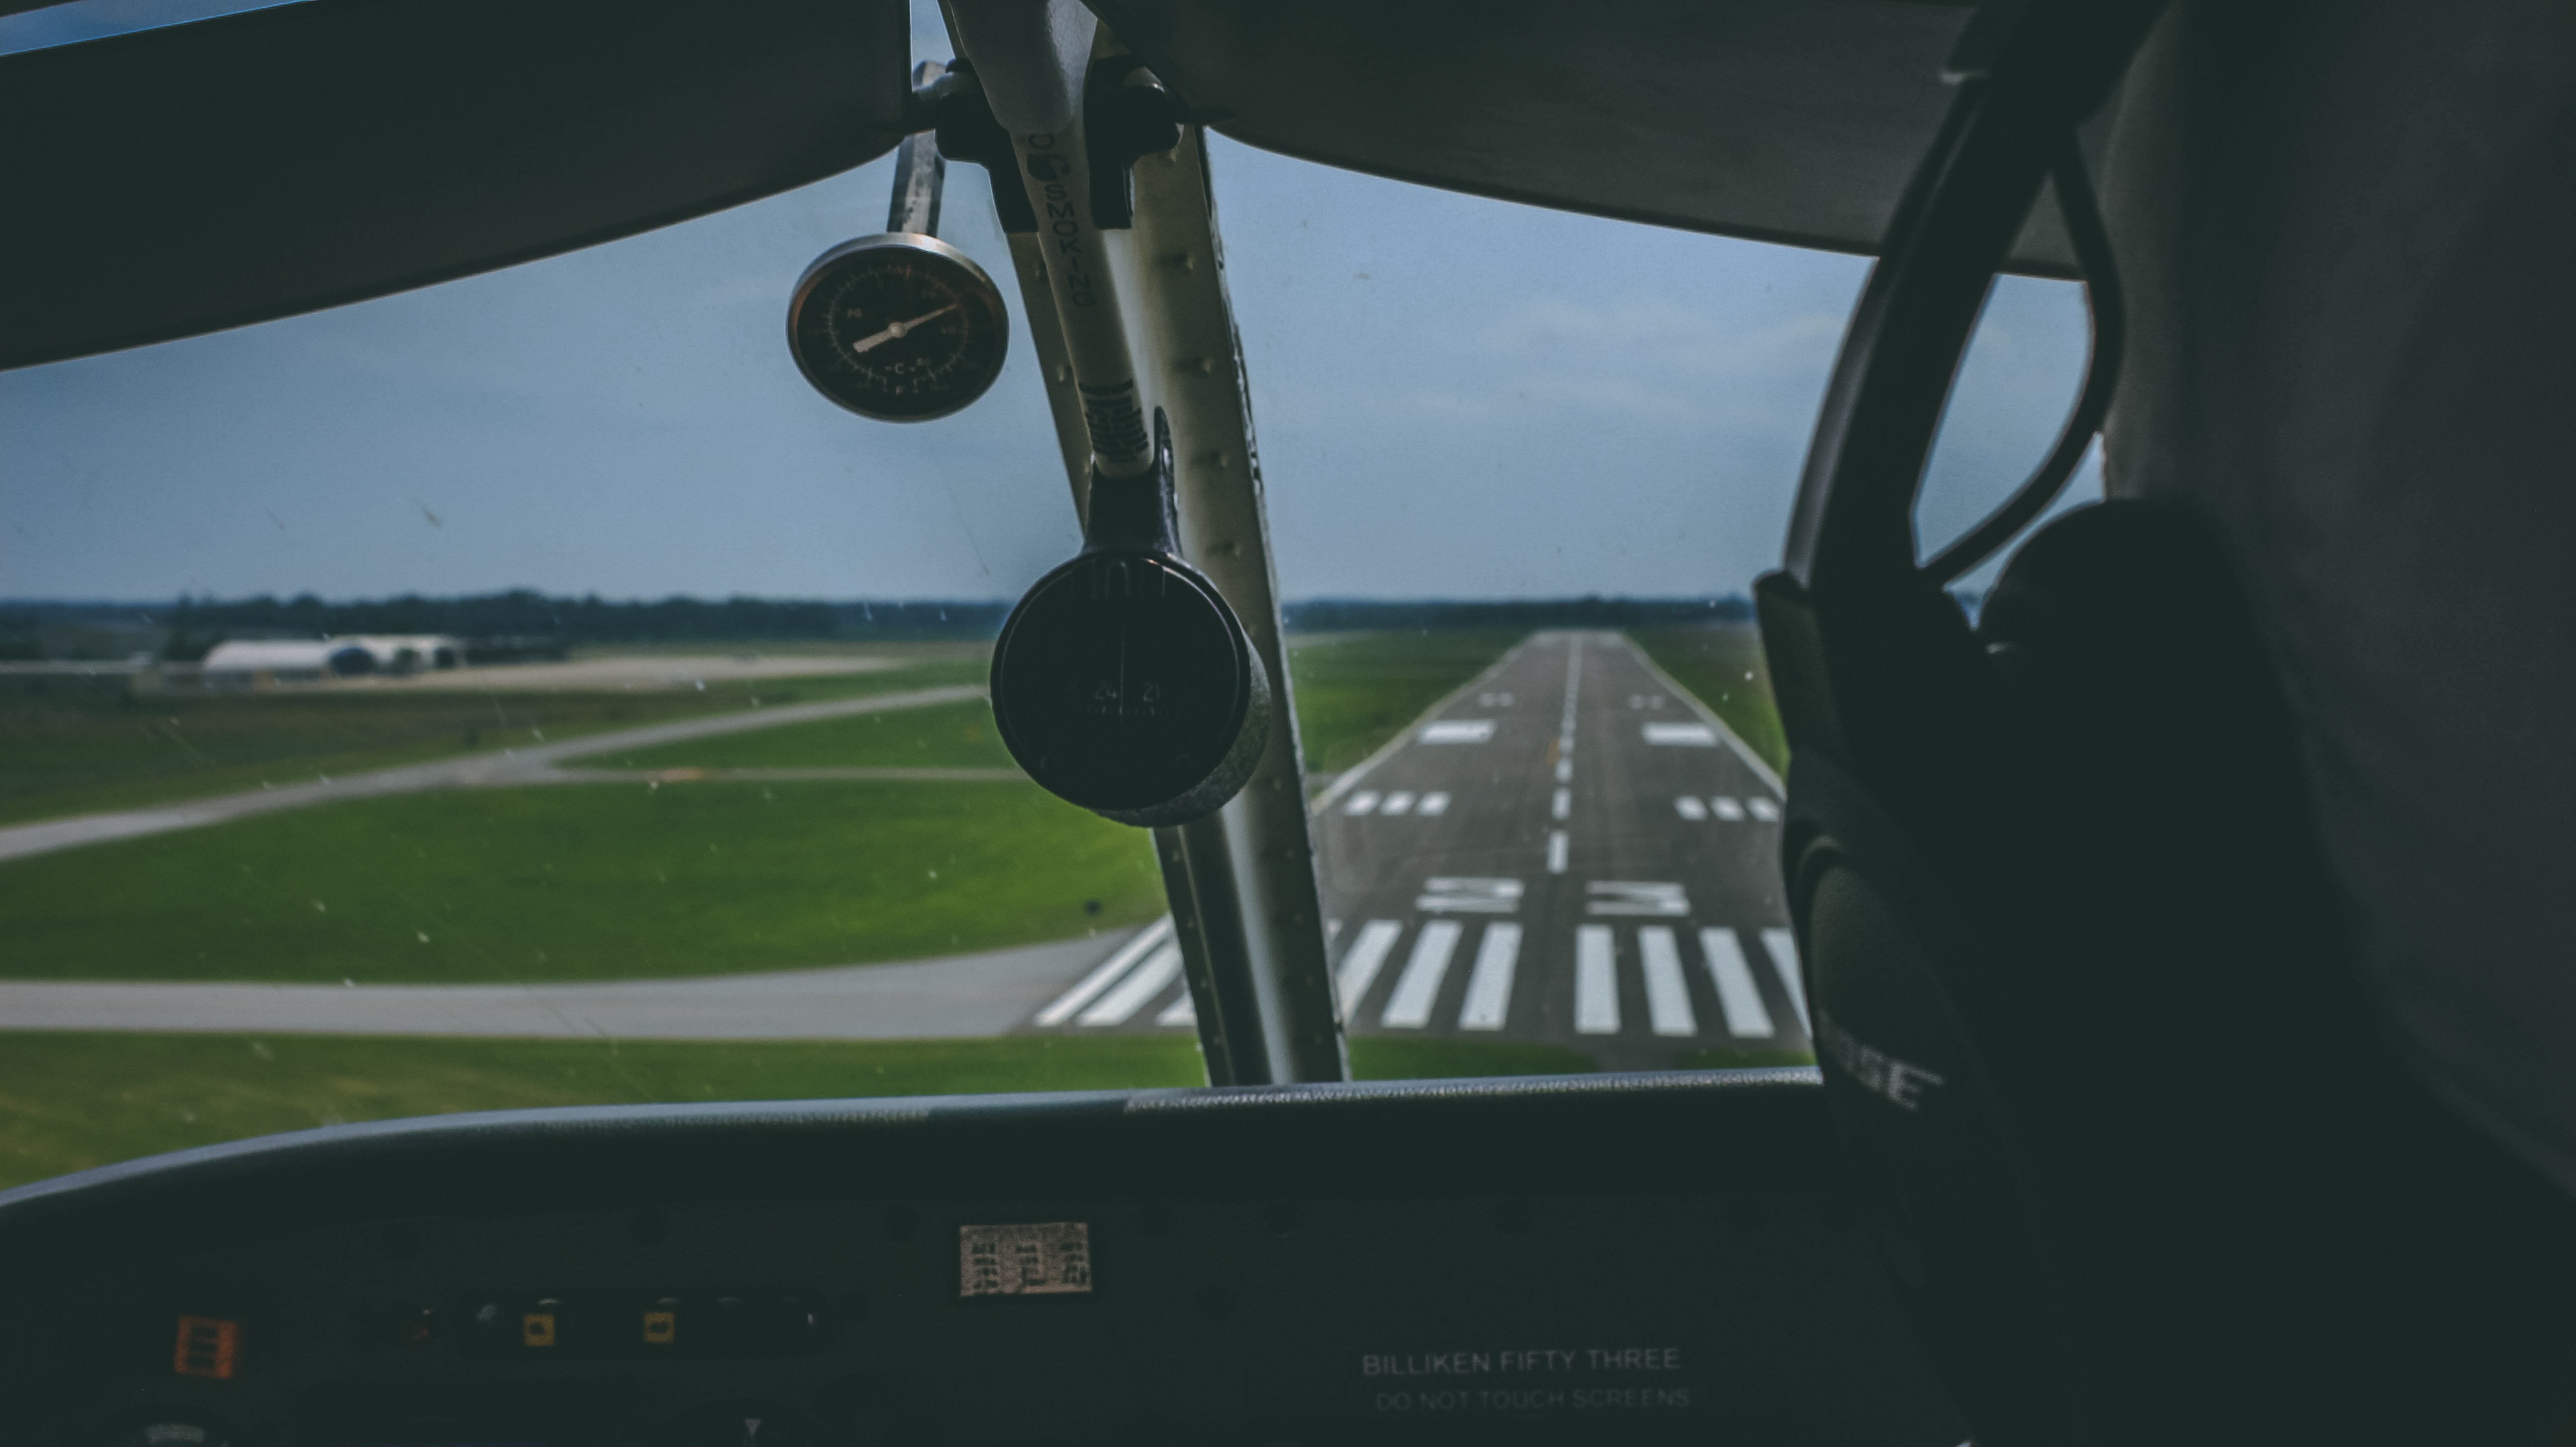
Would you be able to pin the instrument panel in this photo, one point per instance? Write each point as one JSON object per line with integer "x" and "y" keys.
{"x": 1274, "y": 1266}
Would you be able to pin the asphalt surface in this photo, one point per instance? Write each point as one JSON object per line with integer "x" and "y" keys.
{"x": 958, "y": 996}
{"x": 1569, "y": 850}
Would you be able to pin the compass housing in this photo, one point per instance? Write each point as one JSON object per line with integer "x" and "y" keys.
{"x": 900, "y": 327}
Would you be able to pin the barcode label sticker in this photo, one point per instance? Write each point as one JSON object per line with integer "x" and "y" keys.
{"x": 1043, "y": 1259}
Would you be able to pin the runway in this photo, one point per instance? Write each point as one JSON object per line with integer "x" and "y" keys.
{"x": 1569, "y": 850}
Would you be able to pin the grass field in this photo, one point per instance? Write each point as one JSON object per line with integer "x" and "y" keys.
{"x": 580, "y": 882}
{"x": 1724, "y": 666}
{"x": 68, "y": 1102}
{"x": 947, "y": 736}
{"x": 78, "y": 754}
{"x": 1356, "y": 690}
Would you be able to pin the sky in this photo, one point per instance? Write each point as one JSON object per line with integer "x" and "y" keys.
{"x": 1453, "y": 397}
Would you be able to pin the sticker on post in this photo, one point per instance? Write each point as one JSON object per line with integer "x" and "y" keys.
{"x": 1043, "y": 1259}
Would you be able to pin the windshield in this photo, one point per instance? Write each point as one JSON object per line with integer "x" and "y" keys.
{"x": 529, "y": 691}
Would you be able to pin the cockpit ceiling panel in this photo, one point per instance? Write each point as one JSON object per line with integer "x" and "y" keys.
{"x": 180, "y": 180}
{"x": 1794, "y": 121}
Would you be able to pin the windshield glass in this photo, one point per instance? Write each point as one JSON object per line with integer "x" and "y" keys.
{"x": 529, "y": 691}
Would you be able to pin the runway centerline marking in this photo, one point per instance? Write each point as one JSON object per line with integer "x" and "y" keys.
{"x": 1150, "y": 979}
{"x": 1562, "y": 804}
{"x": 1489, "y": 985}
{"x": 1782, "y": 946}
{"x": 1668, "y": 1006}
{"x": 1418, "y": 988}
{"x": 1367, "y": 956}
{"x": 1737, "y": 996}
{"x": 1106, "y": 973}
{"x": 1596, "y": 981}
{"x": 1556, "y": 851}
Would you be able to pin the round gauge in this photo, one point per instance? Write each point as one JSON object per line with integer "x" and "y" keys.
{"x": 902, "y": 327}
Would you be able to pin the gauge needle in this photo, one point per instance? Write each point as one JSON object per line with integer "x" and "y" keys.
{"x": 897, "y": 329}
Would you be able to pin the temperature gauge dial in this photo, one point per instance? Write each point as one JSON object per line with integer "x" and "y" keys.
{"x": 900, "y": 327}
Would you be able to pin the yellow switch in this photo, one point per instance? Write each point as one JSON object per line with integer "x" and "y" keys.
{"x": 661, "y": 1328}
{"x": 537, "y": 1329}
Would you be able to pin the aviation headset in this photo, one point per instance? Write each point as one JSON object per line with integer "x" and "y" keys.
{"x": 2137, "y": 1161}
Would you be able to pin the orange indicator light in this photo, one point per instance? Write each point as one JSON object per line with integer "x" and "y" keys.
{"x": 207, "y": 1347}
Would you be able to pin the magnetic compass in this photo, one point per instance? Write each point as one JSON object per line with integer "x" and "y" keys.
{"x": 901, "y": 327}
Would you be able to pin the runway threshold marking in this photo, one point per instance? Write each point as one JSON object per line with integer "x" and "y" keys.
{"x": 1782, "y": 946}
{"x": 1596, "y": 980}
{"x": 1418, "y": 988}
{"x": 1668, "y": 1006}
{"x": 1367, "y": 956}
{"x": 1139, "y": 989}
{"x": 1106, "y": 973}
{"x": 1738, "y": 998}
{"x": 1489, "y": 984}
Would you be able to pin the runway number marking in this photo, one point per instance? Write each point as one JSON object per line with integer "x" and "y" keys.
{"x": 1630, "y": 896}
{"x": 1596, "y": 981}
{"x": 1489, "y": 985}
{"x": 1668, "y": 1006}
{"x": 1687, "y": 735}
{"x": 1367, "y": 956}
{"x": 1469, "y": 896}
{"x": 1418, "y": 988}
{"x": 1737, "y": 996}
{"x": 1782, "y": 946}
{"x": 1457, "y": 731}
{"x": 1689, "y": 807}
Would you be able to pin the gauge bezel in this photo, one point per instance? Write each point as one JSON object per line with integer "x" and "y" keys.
{"x": 974, "y": 283}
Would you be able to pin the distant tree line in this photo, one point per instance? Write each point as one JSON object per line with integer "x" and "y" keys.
{"x": 187, "y": 629}
{"x": 1334, "y": 615}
